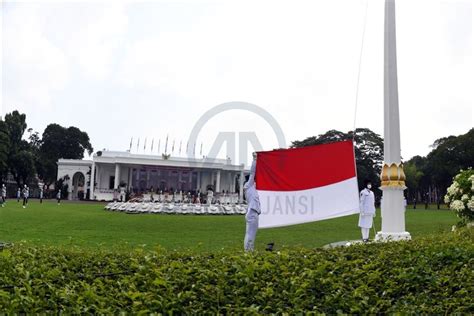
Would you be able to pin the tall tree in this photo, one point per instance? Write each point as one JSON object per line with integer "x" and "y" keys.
{"x": 24, "y": 167}
{"x": 20, "y": 159}
{"x": 414, "y": 175}
{"x": 449, "y": 155}
{"x": 368, "y": 151}
{"x": 16, "y": 125}
{"x": 4, "y": 149}
{"x": 34, "y": 142}
{"x": 60, "y": 142}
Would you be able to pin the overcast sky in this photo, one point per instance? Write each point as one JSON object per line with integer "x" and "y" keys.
{"x": 150, "y": 69}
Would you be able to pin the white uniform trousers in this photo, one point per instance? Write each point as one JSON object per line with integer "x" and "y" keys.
{"x": 251, "y": 219}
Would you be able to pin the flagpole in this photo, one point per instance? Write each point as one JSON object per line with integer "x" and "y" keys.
{"x": 392, "y": 176}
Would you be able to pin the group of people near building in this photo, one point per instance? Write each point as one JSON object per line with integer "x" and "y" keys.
{"x": 23, "y": 194}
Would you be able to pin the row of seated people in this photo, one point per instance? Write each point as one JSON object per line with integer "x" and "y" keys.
{"x": 181, "y": 197}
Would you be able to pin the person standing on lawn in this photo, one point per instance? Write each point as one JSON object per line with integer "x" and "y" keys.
{"x": 41, "y": 195}
{"x": 26, "y": 195}
{"x": 4, "y": 195}
{"x": 253, "y": 210}
{"x": 367, "y": 210}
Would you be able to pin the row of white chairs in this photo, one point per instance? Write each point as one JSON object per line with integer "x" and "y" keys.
{"x": 180, "y": 208}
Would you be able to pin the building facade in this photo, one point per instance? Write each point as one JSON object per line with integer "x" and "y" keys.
{"x": 145, "y": 173}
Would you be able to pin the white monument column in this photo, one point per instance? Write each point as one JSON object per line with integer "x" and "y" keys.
{"x": 392, "y": 177}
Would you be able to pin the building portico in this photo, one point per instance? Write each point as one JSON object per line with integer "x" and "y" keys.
{"x": 145, "y": 173}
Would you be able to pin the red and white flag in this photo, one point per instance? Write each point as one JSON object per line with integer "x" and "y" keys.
{"x": 306, "y": 184}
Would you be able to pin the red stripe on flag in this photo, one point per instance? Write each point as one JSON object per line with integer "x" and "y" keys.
{"x": 306, "y": 167}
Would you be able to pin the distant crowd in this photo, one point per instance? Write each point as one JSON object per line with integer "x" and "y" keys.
{"x": 23, "y": 195}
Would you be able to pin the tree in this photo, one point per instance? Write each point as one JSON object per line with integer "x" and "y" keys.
{"x": 449, "y": 155}
{"x": 34, "y": 142}
{"x": 414, "y": 175}
{"x": 20, "y": 159}
{"x": 368, "y": 151}
{"x": 23, "y": 169}
{"x": 60, "y": 142}
{"x": 4, "y": 149}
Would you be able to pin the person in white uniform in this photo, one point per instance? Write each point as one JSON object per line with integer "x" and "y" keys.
{"x": 41, "y": 195}
{"x": 210, "y": 196}
{"x": 253, "y": 209}
{"x": 367, "y": 210}
{"x": 26, "y": 195}
{"x": 4, "y": 195}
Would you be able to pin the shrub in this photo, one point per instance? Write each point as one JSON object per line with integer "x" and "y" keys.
{"x": 426, "y": 276}
{"x": 460, "y": 197}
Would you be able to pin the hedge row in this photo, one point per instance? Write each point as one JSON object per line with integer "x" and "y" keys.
{"x": 430, "y": 275}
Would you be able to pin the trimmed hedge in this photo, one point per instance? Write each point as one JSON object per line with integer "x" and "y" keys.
{"x": 431, "y": 275}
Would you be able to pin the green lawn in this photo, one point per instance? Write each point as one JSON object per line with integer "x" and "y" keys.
{"x": 89, "y": 225}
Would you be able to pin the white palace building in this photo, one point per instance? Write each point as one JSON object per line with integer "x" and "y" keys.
{"x": 140, "y": 173}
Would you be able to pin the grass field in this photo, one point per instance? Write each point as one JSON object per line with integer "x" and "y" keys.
{"x": 88, "y": 225}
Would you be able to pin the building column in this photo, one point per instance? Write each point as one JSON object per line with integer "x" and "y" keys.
{"x": 241, "y": 187}
{"x": 69, "y": 189}
{"x": 229, "y": 180}
{"x": 129, "y": 178}
{"x": 218, "y": 181}
{"x": 199, "y": 180}
{"x": 117, "y": 176}
{"x": 91, "y": 193}
{"x": 212, "y": 179}
{"x": 191, "y": 179}
{"x": 98, "y": 176}
{"x": 147, "y": 185}
{"x": 232, "y": 186}
{"x": 85, "y": 185}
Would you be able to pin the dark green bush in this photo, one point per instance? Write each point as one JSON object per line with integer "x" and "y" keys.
{"x": 429, "y": 276}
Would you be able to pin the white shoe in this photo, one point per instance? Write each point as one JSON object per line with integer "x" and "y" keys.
{"x": 24, "y": 206}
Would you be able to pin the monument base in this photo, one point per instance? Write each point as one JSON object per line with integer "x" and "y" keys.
{"x": 383, "y": 236}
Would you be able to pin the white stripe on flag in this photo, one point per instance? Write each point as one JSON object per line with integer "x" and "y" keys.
{"x": 283, "y": 208}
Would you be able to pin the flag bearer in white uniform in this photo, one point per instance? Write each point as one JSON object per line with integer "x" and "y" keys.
{"x": 253, "y": 210}
{"x": 367, "y": 210}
